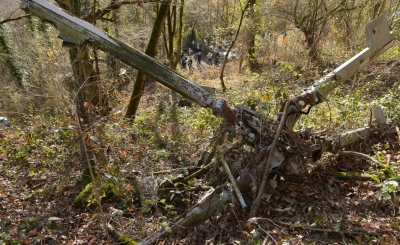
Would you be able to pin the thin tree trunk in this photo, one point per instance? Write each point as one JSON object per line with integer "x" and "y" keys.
{"x": 151, "y": 51}
{"x": 171, "y": 25}
{"x": 251, "y": 49}
{"x": 221, "y": 75}
{"x": 180, "y": 27}
{"x": 85, "y": 85}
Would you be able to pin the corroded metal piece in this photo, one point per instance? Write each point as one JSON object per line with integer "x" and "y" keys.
{"x": 379, "y": 39}
{"x": 233, "y": 182}
{"x": 247, "y": 180}
{"x": 74, "y": 31}
{"x": 196, "y": 91}
{"x": 5, "y": 122}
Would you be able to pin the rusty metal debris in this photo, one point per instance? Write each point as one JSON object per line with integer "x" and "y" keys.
{"x": 292, "y": 149}
{"x": 379, "y": 39}
{"x": 233, "y": 182}
{"x": 5, "y": 122}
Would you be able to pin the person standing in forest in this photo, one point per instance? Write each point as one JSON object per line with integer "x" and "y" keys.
{"x": 181, "y": 59}
{"x": 199, "y": 60}
{"x": 190, "y": 64}
{"x": 209, "y": 56}
{"x": 184, "y": 59}
{"x": 190, "y": 52}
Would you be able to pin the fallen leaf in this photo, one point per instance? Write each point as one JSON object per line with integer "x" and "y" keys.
{"x": 293, "y": 187}
{"x": 129, "y": 187}
{"x": 41, "y": 236}
{"x": 277, "y": 231}
{"x": 283, "y": 210}
{"x": 288, "y": 200}
{"x": 26, "y": 240}
{"x": 358, "y": 239}
{"x": 124, "y": 154}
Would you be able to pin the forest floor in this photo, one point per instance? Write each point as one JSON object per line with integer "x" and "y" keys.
{"x": 40, "y": 169}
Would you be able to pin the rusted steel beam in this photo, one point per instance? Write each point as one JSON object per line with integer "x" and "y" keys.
{"x": 74, "y": 31}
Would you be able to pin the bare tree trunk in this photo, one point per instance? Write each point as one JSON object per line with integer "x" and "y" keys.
{"x": 221, "y": 75}
{"x": 86, "y": 86}
{"x": 180, "y": 27}
{"x": 113, "y": 63}
{"x": 311, "y": 18}
{"x": 169, "y": 40}
{"x": 253, "y": 26}
{"x": 151, "y": 51}
{"x": 171, "y": 27}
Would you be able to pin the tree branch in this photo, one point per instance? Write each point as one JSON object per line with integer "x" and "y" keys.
{"x": 13, "y": 19}
{"x": 112, "y": 6}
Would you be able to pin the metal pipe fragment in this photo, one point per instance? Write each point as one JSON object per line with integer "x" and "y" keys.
{"x": 233, "y": 181}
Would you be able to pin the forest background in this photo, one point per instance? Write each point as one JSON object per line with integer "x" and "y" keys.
{"x": 70, "y": 104}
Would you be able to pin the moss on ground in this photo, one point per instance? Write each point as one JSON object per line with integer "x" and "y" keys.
{"x": 87, "y": 196}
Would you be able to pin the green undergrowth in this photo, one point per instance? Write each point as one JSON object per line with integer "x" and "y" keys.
{"x": 168, "y": 137}
{"x": 44, "y": 144}
{"x": 107, "y": 192}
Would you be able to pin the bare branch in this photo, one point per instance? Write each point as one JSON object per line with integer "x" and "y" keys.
{"x": 13, "y": 19}
{"x": 112, "y": 6}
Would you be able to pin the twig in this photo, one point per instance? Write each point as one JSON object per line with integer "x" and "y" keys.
{"x": 13, "y": 19}
{"x": 358, "y": 154}
{"x": 221, "y": 76}
{"x": 233, "y": 181}
{"x": 266, "y": 232}
{"x": 267, "y": 169}
{"x": 266, "y": 238}
{"x": 166, "y": 171}
{"x": 354, "y": 232}
{"x": 197, "y": 173}
{"x": 167, "y": 184}
{"x": 194, "y": 188}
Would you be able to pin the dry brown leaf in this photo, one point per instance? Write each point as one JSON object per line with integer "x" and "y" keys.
{"x": 41, "y": 236}
{"x": 124, "y": 154}
{"x": 26, "y": 240}
{"x": 358, "y": 239}
{"x": 293, "y": 187}
{"x": 129, "y": 187}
